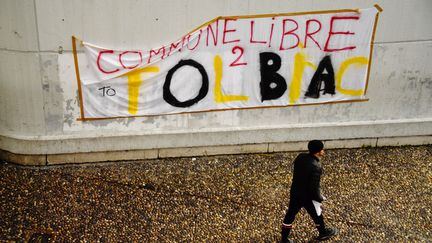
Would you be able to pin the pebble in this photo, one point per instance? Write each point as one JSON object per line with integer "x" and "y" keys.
{"x": 373, "y": 195}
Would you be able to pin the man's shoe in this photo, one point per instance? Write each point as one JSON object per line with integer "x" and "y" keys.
{"x": 327, "y": 233}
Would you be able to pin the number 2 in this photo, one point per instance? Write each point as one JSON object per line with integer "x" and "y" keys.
{"x": 240, "y": 51}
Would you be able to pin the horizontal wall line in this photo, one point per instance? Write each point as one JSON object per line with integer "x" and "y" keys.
{"x": 104, "y": 134}
{"x": 82, "y": 51}
{"x": 131, "y": 155}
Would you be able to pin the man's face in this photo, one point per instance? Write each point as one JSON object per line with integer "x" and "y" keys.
{"x": 321, "y": 153}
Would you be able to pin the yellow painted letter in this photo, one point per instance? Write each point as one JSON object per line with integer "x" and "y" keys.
{"x": 134, "y": 83}
{"x": 300, "y": 64}
{"x": 343, "y": 67}
{"x": 219, "y": 97}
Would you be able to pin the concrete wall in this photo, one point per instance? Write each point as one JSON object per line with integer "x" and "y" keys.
{"x": 38, "y": 91}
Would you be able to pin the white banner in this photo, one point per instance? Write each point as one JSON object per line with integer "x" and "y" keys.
{"x": 233, "y": 63}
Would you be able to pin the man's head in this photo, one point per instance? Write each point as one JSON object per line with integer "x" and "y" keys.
{"x": 316, "y": 147}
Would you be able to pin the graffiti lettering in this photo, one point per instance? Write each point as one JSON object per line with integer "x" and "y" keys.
{"x": 171, "y": 99}
{"x": 98, "y": 62}
{"x": 271, "y": 33}
{"x": 215, "y": 36}
{"x": 272, "y": 84}
{"x": 153, "y": 53}
{"x": 290, "y": 32}
{"x": 134, "y": 84}
{"x": 323, "y": 73}
{"x": 219, "y": 96}
{"x": 226, "y": 30}
{"x": 300, "y": 64}
{"x": 356, "y": 61}
{"x": 310, "y": 35}
{"x": 197, "y": 42}
{"x": 174, "y": 46}
{"x": 240, "y": 52}
{"x": 107, "y": 90}
{"x": 251, "y": 40}
{"x": 130, "y": 67}
{"x": 332, "y": 33}
{"x": 240, "y": 61}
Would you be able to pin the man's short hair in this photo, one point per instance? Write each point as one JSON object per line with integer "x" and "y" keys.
{"x": 315, "y": 146}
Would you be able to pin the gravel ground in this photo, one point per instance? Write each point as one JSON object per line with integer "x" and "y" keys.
{"x": 374, "y": 195}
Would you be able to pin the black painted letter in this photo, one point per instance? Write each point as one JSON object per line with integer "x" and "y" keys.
{"x": 169, "y": 97}
{"x": 319, "y": 76}
{"x": 272, "y": 84}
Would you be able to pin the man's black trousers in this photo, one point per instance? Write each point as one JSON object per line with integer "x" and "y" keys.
{"x": 294, "y": 207}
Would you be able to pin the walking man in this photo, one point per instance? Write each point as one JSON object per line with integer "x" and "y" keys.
{"x": 305, "y": 191}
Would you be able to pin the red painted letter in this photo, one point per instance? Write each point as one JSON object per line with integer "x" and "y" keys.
{"x": 271, "y": 33}
{"x": 326, "y": 48}
{"x": 98, "y": 62}
{"x": 121, "y": 62}
{"x": 156, "y": 53}
{"x": 215, "y": 37}
{"x": 281, "y": 48}
{"x": 236, "y": 61}
{"x": 173, "y": 46}
{"x": 251, "y": 34}
{"x": 197, "y": 43}
{"x": 225, "y": 31}
{"x": 313, "y": 33}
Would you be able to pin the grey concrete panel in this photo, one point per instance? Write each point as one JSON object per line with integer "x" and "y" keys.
{"x": 133, "y": 24}
{"x": 18, "y": 27}
{"x": 21, "y": 98}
